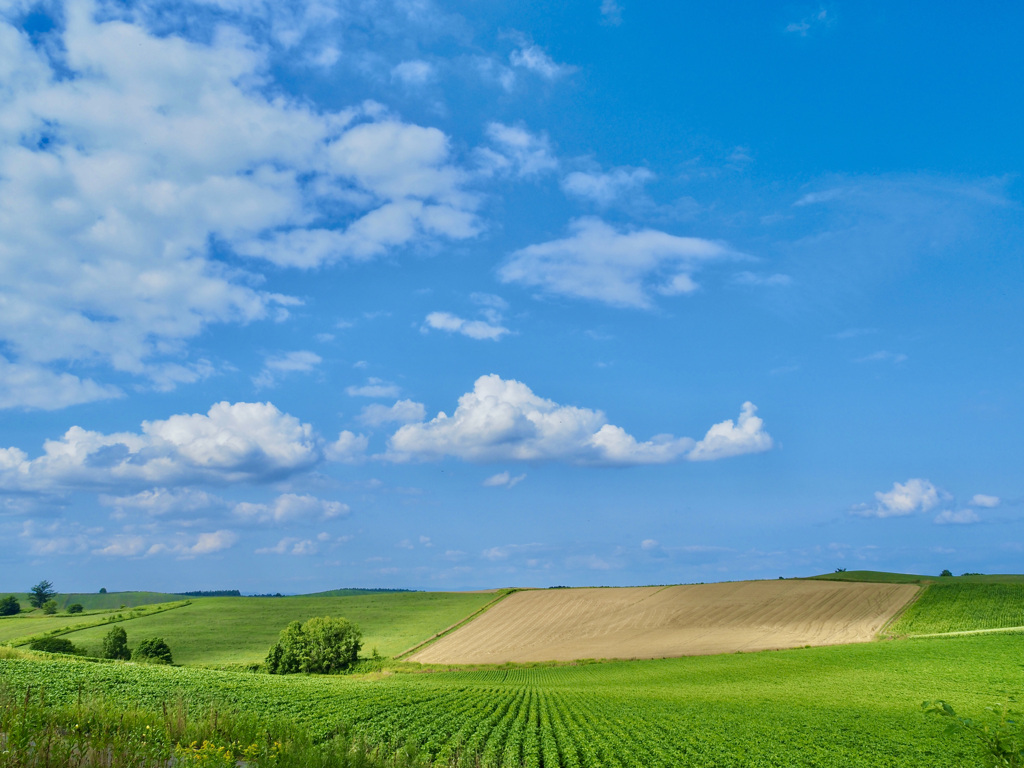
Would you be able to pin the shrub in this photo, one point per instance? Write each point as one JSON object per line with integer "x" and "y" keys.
{"x": 41, "y": 593}
{"x": 322, "y": 645}
{"x": 115, "y": 645}
{"x": 54, "y": 645}
{"x": 76, "y": 608}
{"x": 103, "y": 590}
{"x": 153, "y": 651}
{"x": 50, "y": 607}
{"x": 10, "y": 606}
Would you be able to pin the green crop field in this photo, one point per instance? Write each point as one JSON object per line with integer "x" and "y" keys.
{"x": 240, "y": 630}
{"x": 94, "y": 601}
{"x": 886, "y": 577}
{"x": 960, "y": 607}
{"x": 842, "y": 706}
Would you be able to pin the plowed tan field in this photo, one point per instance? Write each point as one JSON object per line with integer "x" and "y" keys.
{"x": 654, "y": 622}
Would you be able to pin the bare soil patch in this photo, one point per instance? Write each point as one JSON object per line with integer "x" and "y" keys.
{"x": 655, "y": 622}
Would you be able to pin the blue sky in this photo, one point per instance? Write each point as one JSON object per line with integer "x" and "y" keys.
{"x": 402, "y": 293}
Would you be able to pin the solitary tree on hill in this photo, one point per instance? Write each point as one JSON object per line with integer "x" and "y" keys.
{"x": 9, "y": 606}
{"x": 41, "y": 593}
{"x": 115, "y": 645}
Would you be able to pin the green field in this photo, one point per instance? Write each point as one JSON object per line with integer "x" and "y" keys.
{"x": 17, "y": 629}
{"x": 94, "y": 601}
{"x": 886, "y": 577}
{"x": 962, "y": 607}
{"x": 239, "y": 630}
{"x": 842, "y": 706}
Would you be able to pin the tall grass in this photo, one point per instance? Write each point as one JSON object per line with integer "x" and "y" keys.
{"x": 95, "y": 732}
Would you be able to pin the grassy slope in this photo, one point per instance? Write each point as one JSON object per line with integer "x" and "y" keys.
{"x": 848, "y": 706}
{"x": 963, "y": 607}
{"x": 912, "y": 578}
{"x": 93, "y": 601}
{"x": 232, "y": 630}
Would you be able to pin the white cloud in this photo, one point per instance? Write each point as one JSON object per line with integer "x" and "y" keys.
{"x": 726, "y": 439}
{"x": 503, "y": 420}
{"x": 27, "y": 385}
{"x": 274, "y": 366}
{"x": 611, "y": 13}
{"x": 649, "y": 544}
{"x": 374, "y": 388}
{"x": 125, "y": 154}
{"x": 415, "y": 72}
{"x": 535, "y": 59}
{"x": 402, "y": 412}
{"x": 160, "y": 502}
{"x": 503, "y": 479}
{"x": 240, "y": 442}
{"x": 348, "y": 448}
{"x": 622, "y": 269}
{"x": 915, "y": 495}
{"x": 474, "y": 329}
{"x": 605, "y": 188}
{"x": 516, "y": 150}
{"x": 123, "y": 546}
{"x": 959, "y": 517}
{"x": 983, "y": 500}
{"x": 289, "y": 507}
{"x": 290, "y": 546}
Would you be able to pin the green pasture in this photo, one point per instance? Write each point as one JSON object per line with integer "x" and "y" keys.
{"x": 841, "y": 706}
{"x": 962, "y": 607}
{"x": 94, "y": 601}
{"x": 240, "y": 630}
{"x": 885, "y": 577}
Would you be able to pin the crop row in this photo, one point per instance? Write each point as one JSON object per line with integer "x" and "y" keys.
{"x": 852, "y": 706}
{"x": 963, "y": 607}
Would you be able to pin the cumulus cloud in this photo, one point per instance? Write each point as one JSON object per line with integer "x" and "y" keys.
{"x": 349, "y": 448}
{"x": 232, "y": 442}
{"x": 503, "y": 480}
{"x": 605, "y": 188}
{"x": 598, "y": 262}
{"x": 984, "y": 500}
{"x": 127, "y": 155}
{"x": 503, "y": 420}
{"x": 275, "y": 366}
{"x": 185, "y": 547}
{"x": 290, "y": 507}
{"x": 402, "y": 412}
{"x": 726, "y": 439}
{"x": 915, "y": 495}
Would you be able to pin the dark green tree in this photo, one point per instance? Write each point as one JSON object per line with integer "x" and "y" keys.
{"x": 42, "y": 592}
{"x": 54, "y": 645}
{"x": 10, "y": 606}
{"x": 50, "y": 607}
{"x": 153, "y": 651}
{"x": 322, "y": 645}
{"x": 115, "y": 645}
{"x": 76, "y": 608}
{"x": 103, "y": 590}
{"x": 945, "y": 572}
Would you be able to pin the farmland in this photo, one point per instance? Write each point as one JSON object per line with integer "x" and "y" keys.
{"x": 239, "y": 630}
{"x": 653, "y": 622}
{"x": 963, "y": 607}
{"x": 854, "y": 705}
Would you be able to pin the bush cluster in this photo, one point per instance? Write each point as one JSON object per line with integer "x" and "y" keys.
{"x": 321, "y": 645}
{"x": 9, "y": 606}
